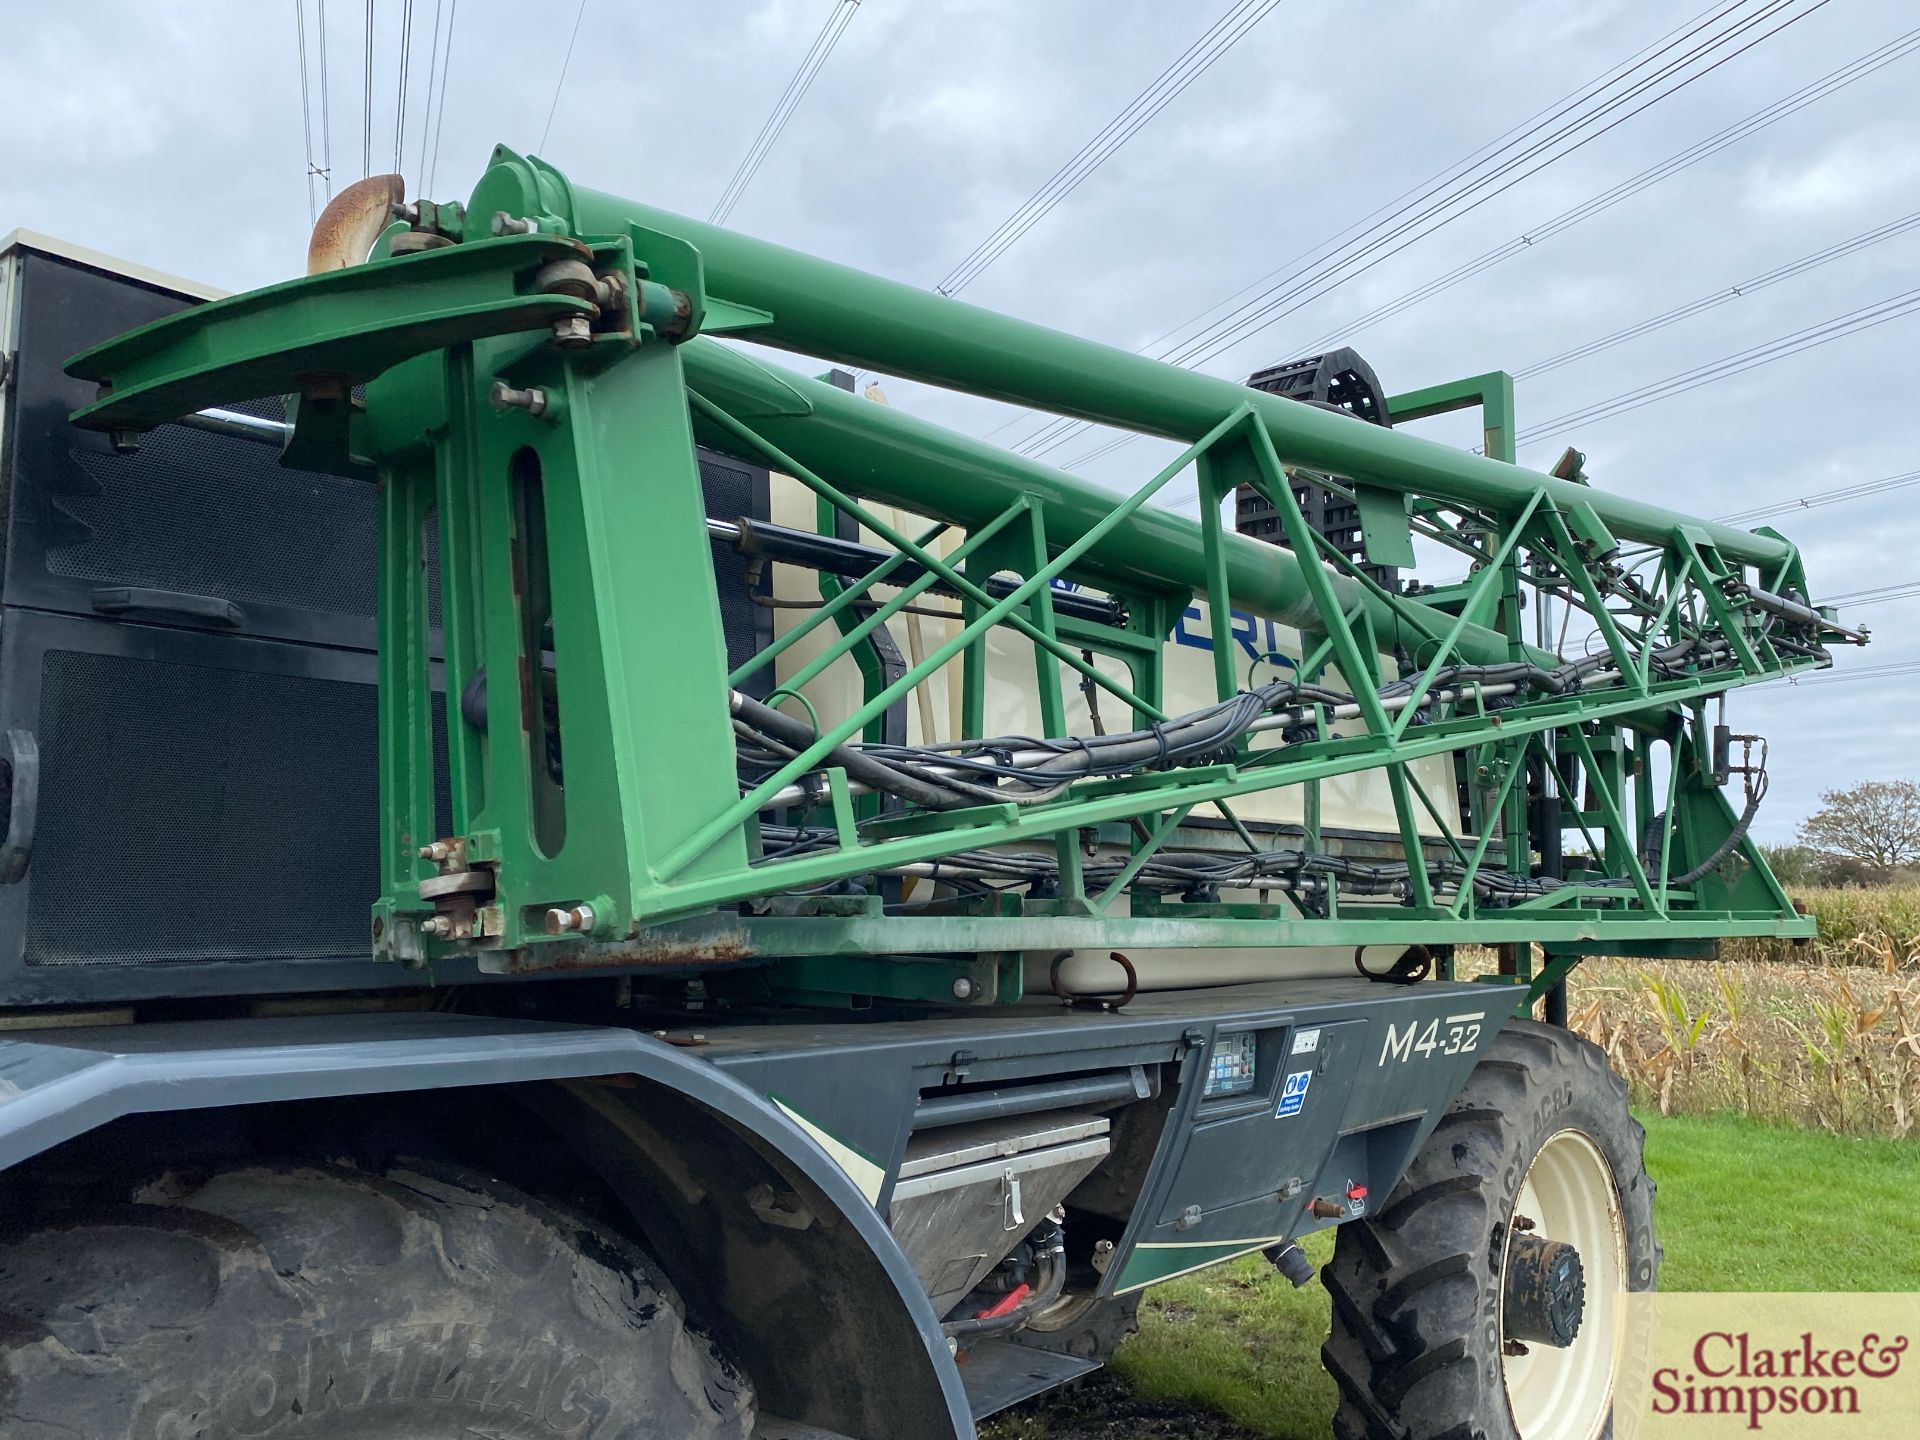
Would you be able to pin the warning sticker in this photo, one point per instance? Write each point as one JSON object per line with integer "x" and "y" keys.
{"x": 1294, "y": 1093}
{"x": 1305, "y": 1042}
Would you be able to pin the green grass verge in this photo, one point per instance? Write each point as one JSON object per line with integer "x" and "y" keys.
{"x": 1742, "y": 1206}
{"x": 1745, "y": 1206}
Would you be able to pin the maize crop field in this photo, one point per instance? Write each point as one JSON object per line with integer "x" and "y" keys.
{"x": 1825, "y": 1034}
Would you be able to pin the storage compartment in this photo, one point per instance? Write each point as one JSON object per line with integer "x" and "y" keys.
{"x": 968, "y": 1194}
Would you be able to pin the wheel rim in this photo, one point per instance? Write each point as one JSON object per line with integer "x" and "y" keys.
{"x": 1570, "y": 1194}
{"x": 1064, "y": 1313}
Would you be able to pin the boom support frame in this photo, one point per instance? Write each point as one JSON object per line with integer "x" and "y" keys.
{"x": 533, "y": 398}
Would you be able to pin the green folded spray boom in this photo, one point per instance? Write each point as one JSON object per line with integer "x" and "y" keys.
{"x": 539, "y": 367}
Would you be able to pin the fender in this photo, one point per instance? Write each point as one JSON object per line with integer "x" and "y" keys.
{"x": 750, "y": 1213}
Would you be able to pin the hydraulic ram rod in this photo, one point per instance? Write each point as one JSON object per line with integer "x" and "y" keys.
{"x": 843, "y": 315}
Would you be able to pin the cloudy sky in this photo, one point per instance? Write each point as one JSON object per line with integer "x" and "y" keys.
{"x": 171, "y": 134}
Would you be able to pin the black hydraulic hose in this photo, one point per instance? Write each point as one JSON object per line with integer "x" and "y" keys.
{"x": 858, "y": 764}
{"x": 1052, "y": 1264}
{"x": 1726, "y": 847}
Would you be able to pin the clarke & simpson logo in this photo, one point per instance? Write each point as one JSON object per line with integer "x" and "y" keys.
{"x": 1784, "y": 1366}
{"x": 1729, "y": 1372}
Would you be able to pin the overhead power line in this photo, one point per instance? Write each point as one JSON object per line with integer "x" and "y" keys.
{"x": 1879, "y": 595}
{"x": 440, "y": 106}
{"x": 400, "y": 86}
{"x": 1848, "y": 74}
{"x": 426, "y": 110}
{"x": 561, "y": 83}
{"x": 1792, "y": 270}
{"x": 1819, "y": 498}
{"x": 1841, "y": 677}
{"x": 783, "y": 108}
{"x": 326, "y": 113}
{"x": 1368, "y": 250}
{"x": 1168, "y": 85}
{"x": 1675, "y": 74}
{"x": 1854, "y": 70}
{"x": 1159, "y": 345}
{"x": 306, "y": 106}
{"x": 1867, "y": 317}
{"x": 366, "y": 98}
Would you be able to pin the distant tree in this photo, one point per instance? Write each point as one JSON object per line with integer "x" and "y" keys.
{"x": 1795, "y": 864}
{"x": 1874, "y": 826}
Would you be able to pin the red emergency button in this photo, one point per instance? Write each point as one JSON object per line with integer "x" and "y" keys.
{"x": 1356, "y": 1192}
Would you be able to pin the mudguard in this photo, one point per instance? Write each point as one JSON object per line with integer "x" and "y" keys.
{"x": 744, "y": 1195}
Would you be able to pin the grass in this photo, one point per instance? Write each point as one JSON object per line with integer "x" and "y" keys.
{"x": 1237, "y": 1339}
{"x": 1742, "y": 1206}
{"x": 1762, "y": 1207}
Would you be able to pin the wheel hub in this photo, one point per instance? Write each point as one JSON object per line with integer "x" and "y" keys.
{"x": 1546, "y": 1292}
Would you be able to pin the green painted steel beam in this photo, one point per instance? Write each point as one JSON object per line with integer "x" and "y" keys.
{"x": 578, "y": 586}
{"x": 352, "y": 325}
{"x": 837, "y": 313}
{"x": 885, "y": 454}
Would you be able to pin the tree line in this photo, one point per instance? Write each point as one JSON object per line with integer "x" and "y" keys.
{"x": 1865, "y": 834}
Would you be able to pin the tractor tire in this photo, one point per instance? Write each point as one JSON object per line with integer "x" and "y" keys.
{"x": 1419, "y": 1348}
{"x": 1088, "y": 1326}
{"x": 318, "y": 1302}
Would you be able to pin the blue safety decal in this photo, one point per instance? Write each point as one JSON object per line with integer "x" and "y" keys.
{"x": 1294, "y": 1093}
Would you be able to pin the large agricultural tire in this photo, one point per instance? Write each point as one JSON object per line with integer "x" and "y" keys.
{"x": 316, "y": 1302}
{"x": 1418, "y": 1348}
{"x": 1088, "y": 1326}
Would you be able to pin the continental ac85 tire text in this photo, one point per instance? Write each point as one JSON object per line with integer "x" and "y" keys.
{"x": 1538, "y": 1142}
{"x": 317, "y": 1302}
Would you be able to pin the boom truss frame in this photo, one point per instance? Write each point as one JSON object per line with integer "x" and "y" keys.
{"x": 533, "y": 402}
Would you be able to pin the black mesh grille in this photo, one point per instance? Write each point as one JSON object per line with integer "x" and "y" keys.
{"x": 212, "y": 515}
{"x": 189, "y": 814}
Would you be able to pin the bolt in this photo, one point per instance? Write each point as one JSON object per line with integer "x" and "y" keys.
{"x": 124, "y": 442}
{"x": 963, "y": 988}
{"x": 1515, "y": 1348}
{"x": 577, "y": 920}
{"x": 505, "y": 224}
{"x": 1522, "y": 1223}
{"x": 572, "y": 331}
{"x": 504, "y": 397}
{"x": 436, "y": 852}
{"x": 1325, "y": 1209}
{"x": 440, "y": 926}
{"x": 409, "y": 212}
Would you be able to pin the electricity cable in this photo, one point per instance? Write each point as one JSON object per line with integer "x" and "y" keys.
{"x": 1225, "y": 32}
{"x": 783, "y": 110}
{"x": 433, "y": 72}
{"x": 561, "y": 83}
{"x": 440, "y": 109}
{"x": 1854, "y": 70}
{"x": 366, "y": 98}
{"x": 1862, "y": 491}
{"x": 306, "y": 105}
{"x": 1806, "y": 264}
{"x": 326, "y": 115}
{"x": 1812, "y": 337}
{"x": 1445, "y": 174}
{"x": 400, "y": 86}
{"x": 1302, "y": 288}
